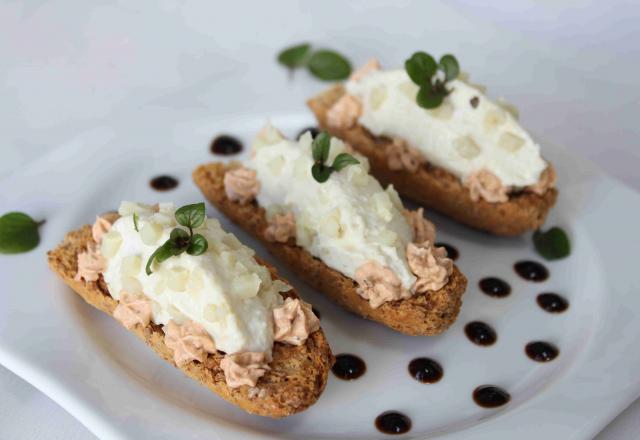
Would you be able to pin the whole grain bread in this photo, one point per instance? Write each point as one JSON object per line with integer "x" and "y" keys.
{"x": 297, "y": 377}
{"x": 429, "y": 313}
{"x": 435, "y": 187}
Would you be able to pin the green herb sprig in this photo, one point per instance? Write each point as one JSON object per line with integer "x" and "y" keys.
{"x": 324, "y": 64}
{"x": 423, "y": 71}
{"x": 191, "y": 217}
{"x": 320, "y": 152}
{"x": 18, "y": 233}
{"x": 552, "y": 244}
{"x": 135, "y": 221}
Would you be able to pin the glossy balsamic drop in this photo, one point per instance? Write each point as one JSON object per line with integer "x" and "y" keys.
{"x": 451, "y": 251}
{"x": 541, "y": 351}
{"x": 425, "y": 370}
{"x": 163, "y": 183}
{"x": 348, "y": 367}
{"x": 225, "y": 145}
{"x": 316, "y": 312}
{"x": 314, "y": 132}
{"x": 480, "y": 333}
{"x": 393, "y": 422}
{"x": 495, "y": 287}
{"x": 552, "y": 302}
{"x": 490, "y": 396}
{"x": 531, "y": 271}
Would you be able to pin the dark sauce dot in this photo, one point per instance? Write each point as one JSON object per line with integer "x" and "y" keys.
{"x": 495, "y": 287}
{"x": 163, "y": 183}
{"x": 425, "y": 370}
{"x": 489, "y": 396}
{"x": 225, "y": 145}
{"x": 480, "y": 333}
{"x": 392, "y": 422}
{"x": 314, "y": 132}
{"x": 451, "y": 251}
{"x": 316, "y": 312}
{"x": 552, "y": 302}
{"x": 474, "y": 101}
{"x": 531, "y": 271}
{"x": 541, "y": 351}
{"x": 348, "y": 367}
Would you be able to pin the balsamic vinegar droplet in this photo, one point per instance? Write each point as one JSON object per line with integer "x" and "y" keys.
{"x": 531, "y": 271}
{"x": 490, "y": 396}
{"x": 393, "y": 422}
{"x": 314, "y": 132}
{"x": 451, "y": 251}
{"x": 425, "y": 370}
{"x": 495, "y": 287}
{"x": 163, "y": 183}
{"x": 552, "y": 302}
{"x": 348, "y": 367}
{"x": 225, "y": 145}
{"x": 480, "y": 333}
{"x": 541, "y": 351}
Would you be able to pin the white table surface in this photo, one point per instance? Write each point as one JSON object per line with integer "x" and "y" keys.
{"x": 572, "y": 68}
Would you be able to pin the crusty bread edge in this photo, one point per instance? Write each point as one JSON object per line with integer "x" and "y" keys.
{"x": 297, "y": 377}
{"x": 435, "y": 187}
{"x": 423, "y": 314}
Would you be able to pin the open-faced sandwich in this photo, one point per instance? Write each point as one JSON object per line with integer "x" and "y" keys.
{"x": 203, "y": 302}
{"x": 443, "y": 143}
{"x": 315, "y": 207}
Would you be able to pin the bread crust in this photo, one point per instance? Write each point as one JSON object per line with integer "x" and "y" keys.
{"x": 297, "y": 377}
{"x": 435, "y": 187}
{"x": 424, "y": 314}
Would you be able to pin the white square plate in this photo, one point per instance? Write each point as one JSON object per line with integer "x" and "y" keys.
{"x": 118, "y": 388}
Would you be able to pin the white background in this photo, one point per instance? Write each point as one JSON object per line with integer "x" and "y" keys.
{"x": 571, "y": 67}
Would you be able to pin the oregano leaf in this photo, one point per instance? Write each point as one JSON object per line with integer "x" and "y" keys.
{"x": 328, "y": 65}
{"x": 320, "y": 172}
{"x": 421, "y": 67}
{"x": 198, "y": 245}
{"x": 294, "y": 56}
{"x": 428, "y": 98}
{"x": 18, "y": 233}
{"x": 344, "y": 159}
{"x": 552, "y": 244}
{"x": 449, "y": 65}
{"x": 191, "y": 216}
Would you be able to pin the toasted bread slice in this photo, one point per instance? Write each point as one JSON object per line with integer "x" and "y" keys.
{"x": 297, "y": 377}
{"x": 435, "y": 187}
{"x": 430, "y": 313}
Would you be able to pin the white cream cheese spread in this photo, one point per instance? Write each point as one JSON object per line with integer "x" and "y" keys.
{"x": 223, "y": 290}
{"x": 347, "y": 221}
{"x": 465, "y": 134}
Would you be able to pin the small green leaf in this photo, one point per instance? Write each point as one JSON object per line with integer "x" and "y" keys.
{"x": 342, "y": 160}
{"x": 329, "y": 65}
{"x": 191, "y": 216}
{"x": 135, "y": 221}
{"x": 321, "y": 173}
{"x": 320, "y": 147}
{"x": 161, "y": 254}
{"x": 428, "y": 98}
{"x": 18, "y": 233}
{"x": 552, "y": 244}
{"x": 294, "y": 56}
{"x": 420, "y": 68}
{"x": 198, "y": 245}
{"x": 449, "y": 65}
{"x": 170, "y": 250}
{"x": 179, "y": 239}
